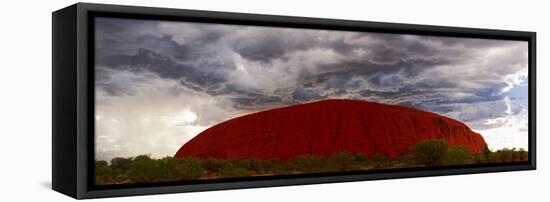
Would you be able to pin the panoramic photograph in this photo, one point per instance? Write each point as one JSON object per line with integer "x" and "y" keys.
{"x": 187, "y": 101}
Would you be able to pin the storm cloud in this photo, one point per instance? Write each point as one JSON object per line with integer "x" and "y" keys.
{"x": 243, "y": 69}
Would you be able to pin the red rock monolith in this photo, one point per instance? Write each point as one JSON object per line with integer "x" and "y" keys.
{"x": 324, "y": 127}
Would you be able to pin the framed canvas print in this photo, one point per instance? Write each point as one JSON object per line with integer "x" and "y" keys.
{"x": 154, "y": 100}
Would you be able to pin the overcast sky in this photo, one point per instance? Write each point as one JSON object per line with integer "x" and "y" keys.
{"x": 160, "y": 83}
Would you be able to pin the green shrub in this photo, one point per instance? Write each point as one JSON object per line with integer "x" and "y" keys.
{"x": 502, "y": 155}
{"x": 165, "y": 167}
{"x": 406, "y": 161}
{"x": 342, "y": 161}
{"x": 188, "y": 168}
{"x": 486, "y": 154}
{"x": 143, "y": 169}
{"x": 255, "y": 165}
{"x": 122, "y": 164}
{"x": 457, "y": 155}
{"x": 103, "y": 173}
{"x": 281, "y": 168}
{"x": 308, "y": 163}
{"x": 507, "y": 155}
{"x": 378, "y": 160}
{"x": 379, "y": 157}
{"x": 429, "y": 152}
{"x": 212, "y": 164}
{"x": 232, "y": 170}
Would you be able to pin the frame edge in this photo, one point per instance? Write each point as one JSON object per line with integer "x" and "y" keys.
{"x": 64, "y": 143}
{"x": 84, "y": 191}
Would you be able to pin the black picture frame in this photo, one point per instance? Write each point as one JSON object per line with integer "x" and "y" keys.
{"x": 73, "y": 99}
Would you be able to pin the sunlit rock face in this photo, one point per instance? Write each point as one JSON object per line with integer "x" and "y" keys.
{"x": 325, "y": 127}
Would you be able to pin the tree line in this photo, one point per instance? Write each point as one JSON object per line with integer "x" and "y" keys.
{"x": 143, "y": 168}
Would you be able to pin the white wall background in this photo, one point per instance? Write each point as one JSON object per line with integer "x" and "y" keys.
{"x": 25, "y": 100}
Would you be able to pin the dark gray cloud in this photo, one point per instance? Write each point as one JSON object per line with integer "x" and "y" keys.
{"x": 259, "y": 67}
{"x": 265, "y": 45}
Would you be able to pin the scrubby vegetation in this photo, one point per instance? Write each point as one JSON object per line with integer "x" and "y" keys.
{"x": 458, "y": 155}
{"x": 428, "y": 153}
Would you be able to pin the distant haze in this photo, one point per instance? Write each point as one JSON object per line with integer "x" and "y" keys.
{"x": 159, "y": 83}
